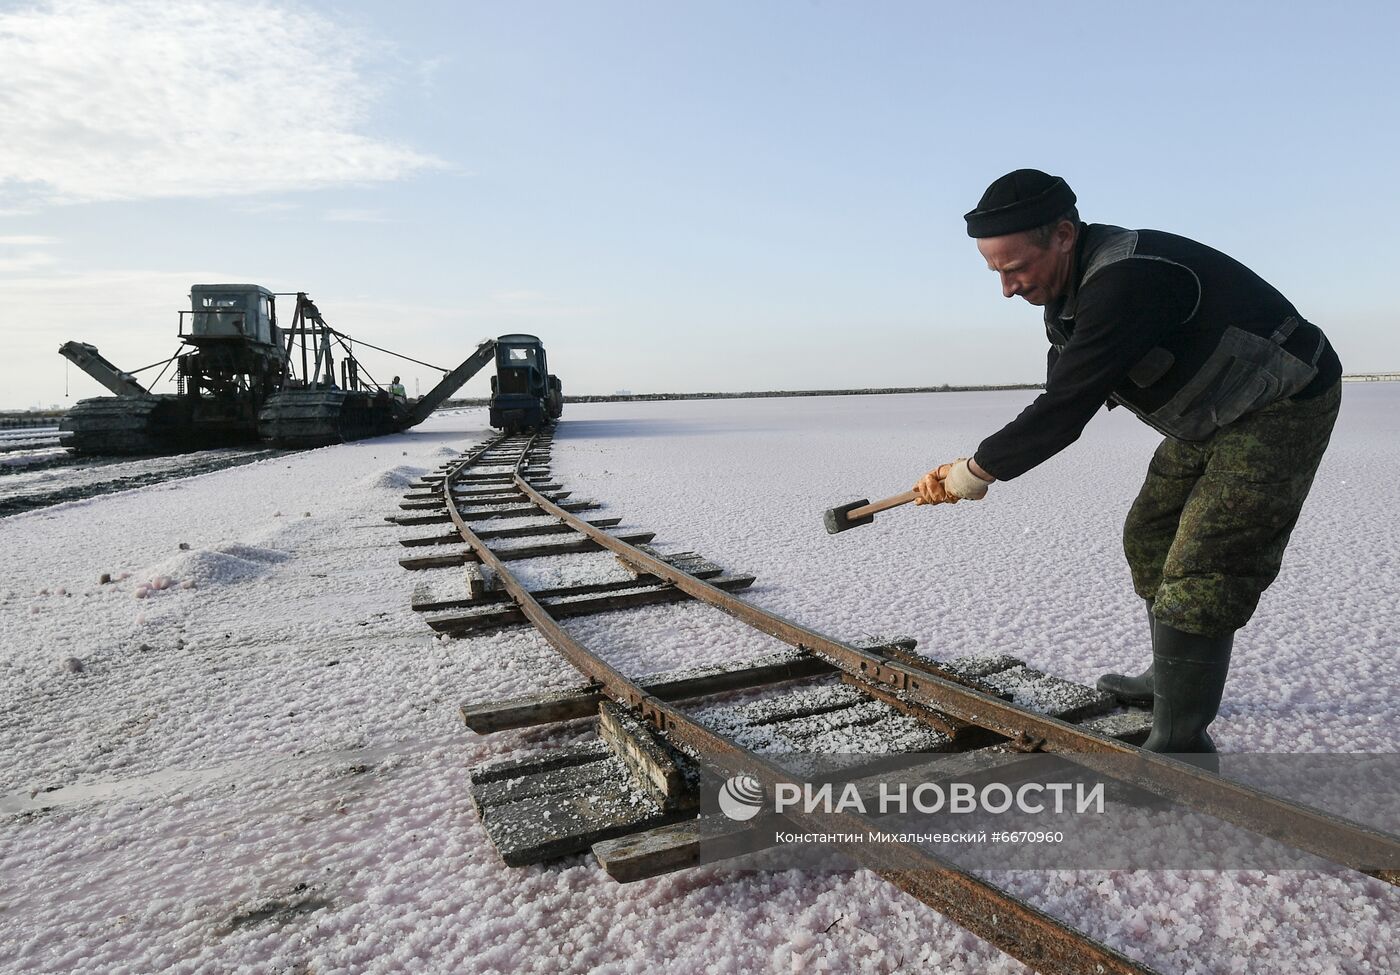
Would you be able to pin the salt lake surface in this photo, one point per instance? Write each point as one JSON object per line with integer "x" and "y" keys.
{"x": 245, "y": 754}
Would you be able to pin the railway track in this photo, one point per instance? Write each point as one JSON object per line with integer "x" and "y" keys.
{"x": 498, "y": 504}
{"x": 56, "y": 476}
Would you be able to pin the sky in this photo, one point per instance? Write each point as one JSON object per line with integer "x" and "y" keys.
{"x": 683, "y": 196}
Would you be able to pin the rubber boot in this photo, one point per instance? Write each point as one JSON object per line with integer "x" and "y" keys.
{"x": 1133, "y": 690}
{"x": 1188, "y": 679}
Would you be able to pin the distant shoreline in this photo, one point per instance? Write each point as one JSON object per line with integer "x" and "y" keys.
{"x": 882, "y": 391}
{"x": 767, "y": 394}
{"x": 764, "y": 394}
{"x": 22, "y": 418}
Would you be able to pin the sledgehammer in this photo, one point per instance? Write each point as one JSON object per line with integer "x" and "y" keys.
{"x": 862, "y": 512}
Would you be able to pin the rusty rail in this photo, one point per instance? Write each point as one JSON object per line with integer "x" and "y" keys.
{"x": 1334, "y": 838}
{"x": 1015, "y": 927}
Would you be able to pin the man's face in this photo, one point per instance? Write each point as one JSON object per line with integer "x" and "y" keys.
{"x": 1037, "y": 274}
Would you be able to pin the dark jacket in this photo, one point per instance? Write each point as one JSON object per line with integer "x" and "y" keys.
{"x": 1186, "y": 337}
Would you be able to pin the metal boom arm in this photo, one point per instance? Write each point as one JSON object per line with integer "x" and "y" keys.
{"x": 89, "y": 360}
{"x": 452, "y": 382}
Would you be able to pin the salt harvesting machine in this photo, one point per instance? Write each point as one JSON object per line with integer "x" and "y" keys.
{"x": 524, "y": 395}
{"x": 237, "y": 382}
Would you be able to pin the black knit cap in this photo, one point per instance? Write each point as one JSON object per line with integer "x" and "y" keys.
{"x": 1019, "y": 201}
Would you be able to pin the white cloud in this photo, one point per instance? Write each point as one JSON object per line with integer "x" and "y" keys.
{"x": 140, "y": 99}
{"x": 22, "y": 253}
{"x": 427, "y": 75}
{"x": 24, "y": 261}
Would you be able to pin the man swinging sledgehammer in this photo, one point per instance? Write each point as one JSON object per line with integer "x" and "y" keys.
{"x": 1199, "y": 347}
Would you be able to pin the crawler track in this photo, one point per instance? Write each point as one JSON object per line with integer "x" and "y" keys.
{"x": 465, "y": 496}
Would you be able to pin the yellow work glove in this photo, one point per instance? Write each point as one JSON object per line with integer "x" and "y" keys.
{"x": 950, "y": 483}
{"x": 930, "y": 488}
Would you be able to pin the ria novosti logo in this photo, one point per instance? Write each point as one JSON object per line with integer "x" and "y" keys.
{"x": 741, "y": 798}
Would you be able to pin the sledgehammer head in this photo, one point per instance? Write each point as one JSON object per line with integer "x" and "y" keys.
{"x": 837, "y": 522}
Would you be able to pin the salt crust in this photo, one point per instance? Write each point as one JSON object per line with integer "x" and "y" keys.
{"x": 275, "y": 775}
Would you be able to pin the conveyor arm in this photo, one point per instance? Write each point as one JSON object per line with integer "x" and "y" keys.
{"x": 452, "y": 382}
{"x": 89, "y": 360}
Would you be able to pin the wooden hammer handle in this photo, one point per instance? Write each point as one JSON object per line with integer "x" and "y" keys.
{"x": 882, "y": 505}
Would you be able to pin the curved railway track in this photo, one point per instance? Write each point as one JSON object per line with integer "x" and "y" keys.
{"x": 505, "y": 477}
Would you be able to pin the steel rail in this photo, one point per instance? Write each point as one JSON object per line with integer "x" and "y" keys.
{"x": 1019, "y": 929}
{"x": 471, "y": 458}
{"x": 1356, "y": 845}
